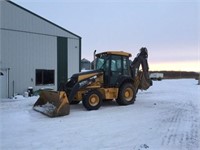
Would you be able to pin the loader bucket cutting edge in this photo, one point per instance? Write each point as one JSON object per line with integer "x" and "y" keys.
{"x": 52, "y": 103}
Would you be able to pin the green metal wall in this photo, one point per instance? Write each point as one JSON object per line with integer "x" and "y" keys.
{"x": 62, "y": 54}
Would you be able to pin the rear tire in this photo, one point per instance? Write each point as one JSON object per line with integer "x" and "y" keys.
{"x": 92, "y": 100}
{"x": 126, "y": 95}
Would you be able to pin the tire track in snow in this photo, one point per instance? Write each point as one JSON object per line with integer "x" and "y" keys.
{"x": 174, "y": 124}
{"x": 181, "y": 129}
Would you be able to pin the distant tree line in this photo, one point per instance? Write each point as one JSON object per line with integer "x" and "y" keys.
{"x": 178, "y": 74}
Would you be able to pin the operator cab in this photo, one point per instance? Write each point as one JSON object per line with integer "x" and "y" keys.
{"x": 114, "y": 64}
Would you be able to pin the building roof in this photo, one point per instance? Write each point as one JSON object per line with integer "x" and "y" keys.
{"x": 85, "y": 60}
{"x": 42, "y": 18}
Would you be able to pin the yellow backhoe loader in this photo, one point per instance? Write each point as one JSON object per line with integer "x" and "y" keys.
{"x": 114, "y": 77}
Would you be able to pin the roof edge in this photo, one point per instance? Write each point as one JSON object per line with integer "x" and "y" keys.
{"x": 42, "y": 18}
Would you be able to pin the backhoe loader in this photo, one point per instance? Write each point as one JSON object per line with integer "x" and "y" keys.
{"x": 114, "y": 77}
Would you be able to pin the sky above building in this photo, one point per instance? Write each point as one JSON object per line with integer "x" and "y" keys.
{"x": 170, "y": 29}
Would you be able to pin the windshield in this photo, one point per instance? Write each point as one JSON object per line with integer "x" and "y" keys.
{"x": 102, "y": 62}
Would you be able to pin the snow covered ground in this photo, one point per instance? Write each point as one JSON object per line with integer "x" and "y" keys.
{"x": 166, "y": 117}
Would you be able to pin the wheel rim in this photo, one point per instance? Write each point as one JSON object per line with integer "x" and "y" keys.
{"x": 94, "y": 100}
{"x": 128, "y": 94}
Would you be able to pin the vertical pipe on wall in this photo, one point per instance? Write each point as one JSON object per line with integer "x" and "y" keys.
{"x": 13, "y": 87}
{"x": 8, "y": 69}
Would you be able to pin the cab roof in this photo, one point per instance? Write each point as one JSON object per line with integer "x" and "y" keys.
{"x": 121, "y": 53}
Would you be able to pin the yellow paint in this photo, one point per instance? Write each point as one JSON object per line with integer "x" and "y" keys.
{"x": 82, "y": 77}
{"x": 109, "y": 93}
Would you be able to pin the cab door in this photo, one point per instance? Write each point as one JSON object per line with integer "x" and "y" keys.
{"x": 119, "y": 66}
{"x": 116, "y": 69}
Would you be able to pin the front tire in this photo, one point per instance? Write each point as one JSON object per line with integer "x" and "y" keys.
{"x": 92, "y": 100}
{"x": 126, "y": 95}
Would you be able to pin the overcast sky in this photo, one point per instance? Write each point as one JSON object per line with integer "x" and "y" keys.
{"x": 170, "y": 29}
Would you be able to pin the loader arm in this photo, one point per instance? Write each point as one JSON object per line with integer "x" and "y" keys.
{"x": 81, "y": 85}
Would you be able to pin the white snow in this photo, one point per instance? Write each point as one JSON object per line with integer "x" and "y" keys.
{"x": 165, "y": 117}
{"x": 47, "y": 108}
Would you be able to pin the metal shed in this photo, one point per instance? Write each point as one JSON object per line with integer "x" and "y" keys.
{"x": 85, "y": 64}
{"x": 34, "y": 51}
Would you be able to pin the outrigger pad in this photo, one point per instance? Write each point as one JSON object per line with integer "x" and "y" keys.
{"x": 52, "y": 103}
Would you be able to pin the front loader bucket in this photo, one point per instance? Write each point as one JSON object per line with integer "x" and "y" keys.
{"x": 52, "y": 103}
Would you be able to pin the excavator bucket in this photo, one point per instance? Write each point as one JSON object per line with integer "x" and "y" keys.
{"x": 144, "y": 83}
{"x": 52, "y": 103}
